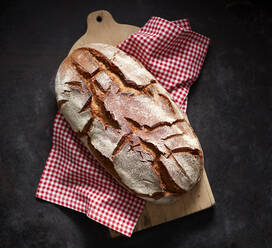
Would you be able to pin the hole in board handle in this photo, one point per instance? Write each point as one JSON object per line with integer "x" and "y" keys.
{"x": 99, "y": 19}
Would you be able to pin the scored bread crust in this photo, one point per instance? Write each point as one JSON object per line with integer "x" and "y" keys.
{"x": 128, "y": 122}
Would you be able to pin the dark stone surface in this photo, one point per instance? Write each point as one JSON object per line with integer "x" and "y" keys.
{"x": 229, "y": 107}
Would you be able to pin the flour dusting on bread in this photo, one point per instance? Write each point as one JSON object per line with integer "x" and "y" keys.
{"x": 129, "y": 122}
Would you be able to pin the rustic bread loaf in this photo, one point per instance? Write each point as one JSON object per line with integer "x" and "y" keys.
{"x": 128, "y": 122}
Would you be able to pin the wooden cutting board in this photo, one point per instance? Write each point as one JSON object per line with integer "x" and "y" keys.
{"x": 101, "y": 27}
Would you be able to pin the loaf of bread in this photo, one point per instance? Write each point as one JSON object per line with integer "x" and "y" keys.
{"x": 128, "y": 122}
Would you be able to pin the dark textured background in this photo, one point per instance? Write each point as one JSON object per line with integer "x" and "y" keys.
{"x": 229, "y": 108}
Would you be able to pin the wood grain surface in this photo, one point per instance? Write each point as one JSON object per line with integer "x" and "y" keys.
{"x": 101, "y": 27}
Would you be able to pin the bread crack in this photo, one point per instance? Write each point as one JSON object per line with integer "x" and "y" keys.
{"x": 121, "y": 143}
{"x": 180, "y": 167}
{"x": 163, "y": 123}
{"x": 101, "y": 113}
{"x": 83, "y": 72}
{"x": 149, "y": 89}
{"x": 134, "y": 125}
{"x": 75, "y": 85}
{"x": 86, "y": 105}
{"x": 167, "y": 102}
{"x": 195, "y": 152}
{"x": 166, "y": 182}
{"x": 126, "y": 85}
{"x": 85, "y": 129}
{"x": 106, "y": 62}
{"x": 172, "y": 136}
{"x": 61, "y": 103}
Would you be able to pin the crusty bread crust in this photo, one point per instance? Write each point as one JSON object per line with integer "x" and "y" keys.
{"x": 129, "y": 122}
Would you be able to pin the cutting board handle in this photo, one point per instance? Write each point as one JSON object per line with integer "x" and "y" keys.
{"x": 100, "y": 19}
{"x": 101, "y": 27}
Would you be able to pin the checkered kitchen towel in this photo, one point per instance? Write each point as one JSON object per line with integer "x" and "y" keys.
{"x": 174, "y": 54}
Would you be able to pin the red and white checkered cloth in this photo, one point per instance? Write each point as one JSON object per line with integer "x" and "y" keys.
{"x": 72, "y": 177}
